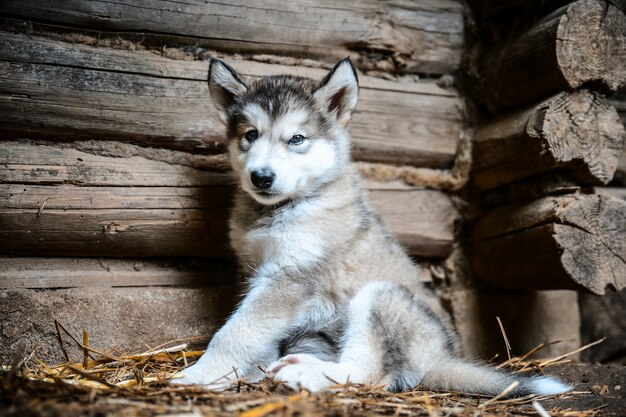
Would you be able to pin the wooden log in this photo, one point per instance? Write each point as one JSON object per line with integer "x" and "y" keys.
{"x": 616, "y": 192}
{"x": 578, "y": 131}
{"x": 424, "y": 221}
{"x": 131, "y": 208}
{"x": 583, "y": 43}
{"x": 57, "y": 273}
{"x": 125, "y": 319}
{"x": 112, "y": 221}
{"x": 52, "y": 89}
{"x": 527, "y": 190}
{"x": 574, "y": 241}
{"x": 619, "y": 101}
{"x": 425, "y": 37}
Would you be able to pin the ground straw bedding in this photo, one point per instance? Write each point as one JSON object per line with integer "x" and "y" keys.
{"x": 117, "y": 384}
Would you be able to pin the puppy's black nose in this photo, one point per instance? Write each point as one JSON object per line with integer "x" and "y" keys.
{"x": 262, "y": 178}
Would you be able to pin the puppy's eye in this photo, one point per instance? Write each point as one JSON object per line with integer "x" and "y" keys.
{"x": 252, "y": 135}
{"x": 297, "y": 140}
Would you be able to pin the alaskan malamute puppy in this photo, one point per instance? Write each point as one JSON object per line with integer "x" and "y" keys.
{"x": 332, "y": 297}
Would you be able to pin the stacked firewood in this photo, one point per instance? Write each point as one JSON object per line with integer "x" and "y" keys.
{"x": 551, "y": 136}
{"x": 543, "y": 75}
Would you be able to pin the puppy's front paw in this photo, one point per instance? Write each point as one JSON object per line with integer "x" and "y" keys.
{"x": 304, "y": 372}
{"x": 199, "y": 375}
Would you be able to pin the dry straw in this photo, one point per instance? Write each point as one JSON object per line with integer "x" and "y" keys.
{"x": 104, "y": 383}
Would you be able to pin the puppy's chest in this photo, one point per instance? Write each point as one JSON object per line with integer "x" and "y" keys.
{"x": 283, "y": 244}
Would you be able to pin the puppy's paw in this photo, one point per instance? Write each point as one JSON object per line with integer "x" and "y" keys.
{"x": 307, "y": 372}
{"x": 293, "y": 359}
{"x": 200, "y": 375}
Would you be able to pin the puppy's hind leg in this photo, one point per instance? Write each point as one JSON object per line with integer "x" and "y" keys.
{"x": 376, "y": 347}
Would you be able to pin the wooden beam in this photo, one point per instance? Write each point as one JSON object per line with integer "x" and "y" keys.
{"x": 424, "y": 37}
{"x": 574, "y": 241}
{"x": 112, "y": 221}
{"x": 125, "y": 319}
{"x": 130, "y": 206}
{"x": 424, "y": 221}
{"x": 56, "y": 273}
{"x": 578, "y": 131}
{"x": 51, "y": 89}
{"x": 583, "y": 43}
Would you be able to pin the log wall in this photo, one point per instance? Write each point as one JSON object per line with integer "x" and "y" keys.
{"x": 563, "y": 144}
{"x": 113, "y": 175}
{"x": 550, "y": 137}
{"x": 393, "y": 36}
{"x": 114, "y": 180}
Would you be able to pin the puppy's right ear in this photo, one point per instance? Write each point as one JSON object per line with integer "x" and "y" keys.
{"x": 225, "y": 85}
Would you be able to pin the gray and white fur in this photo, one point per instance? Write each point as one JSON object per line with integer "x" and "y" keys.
{"x": 331, "y": 296}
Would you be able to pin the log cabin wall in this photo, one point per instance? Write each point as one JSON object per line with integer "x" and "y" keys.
{"x": 547, "y": 173}
{"x": 114, "y": 186}
{"x": 115, "y": 189}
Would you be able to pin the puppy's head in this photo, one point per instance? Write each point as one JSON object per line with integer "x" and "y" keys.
{"x": 286, "y": 134}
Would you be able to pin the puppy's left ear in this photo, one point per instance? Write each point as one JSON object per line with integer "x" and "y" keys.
{"x": 225, "y": 85}
{"x": 338, "y": 92}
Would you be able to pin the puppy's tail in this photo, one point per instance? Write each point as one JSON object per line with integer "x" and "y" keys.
{"x": 475, "y": 378}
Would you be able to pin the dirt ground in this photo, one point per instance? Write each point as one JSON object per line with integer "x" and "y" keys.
{"x": 600, "y": 390}
{"x": 605, "y": 387}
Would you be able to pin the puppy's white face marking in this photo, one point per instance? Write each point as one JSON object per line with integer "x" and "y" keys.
{"x": 289, "y": 147}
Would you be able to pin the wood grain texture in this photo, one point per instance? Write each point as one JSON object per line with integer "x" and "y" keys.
{"x": 619, "y": 102}
{"x": 126, "y": 319}
{"x": 576, "y": 131}
{"x": 583, "y": 43}
{"x": 58, "y": 201}
{"x": 51, "y": 89}
{"x": 575, "y": 241}
{"x": 402, "y": 36}
{"x": 56, "y": 273}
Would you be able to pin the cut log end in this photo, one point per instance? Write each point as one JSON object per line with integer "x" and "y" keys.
{"x": 583, "y": 130}
{"x": 581, "y": 44}
{"x": 593, "y": 242}
{"x": 577, "y": 131}
{"x": 569, "y": 242}
{"x": 590, "y": 45}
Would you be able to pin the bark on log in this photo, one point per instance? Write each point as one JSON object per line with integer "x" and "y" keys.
{"x": 581, "y": 44}
{"x": 570, "y": 242}
{"x": 578, "y": 131}
{"x": 53, "y": 89}
{"x": 134, "y": 206}
{"x": 425, "y": 37}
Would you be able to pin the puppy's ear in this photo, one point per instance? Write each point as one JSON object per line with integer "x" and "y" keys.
{"x": 338, "y": 91}
{"x": 225, "y": 85}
